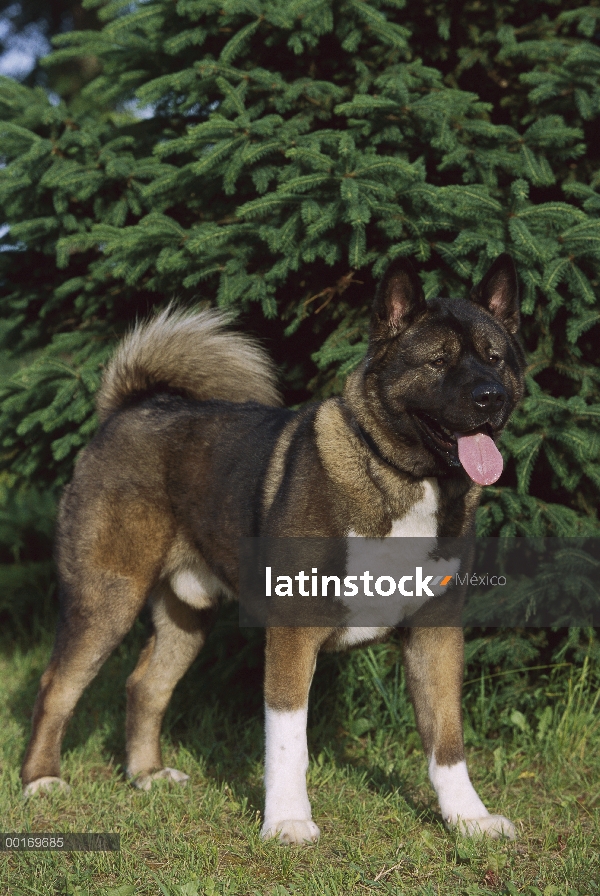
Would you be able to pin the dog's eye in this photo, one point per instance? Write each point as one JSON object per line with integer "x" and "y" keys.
{"x": 438, "y": 362}
{"x": 493, "y": 358}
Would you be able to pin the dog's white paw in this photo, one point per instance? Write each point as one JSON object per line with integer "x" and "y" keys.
{"x": 292, "y": 832}
{"x": 144, "y": 781}
{"x": 494, "y": 826}
{"x": 45, "y": 784}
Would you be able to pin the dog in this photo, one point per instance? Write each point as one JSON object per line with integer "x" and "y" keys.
{"x": 195, "y": 451}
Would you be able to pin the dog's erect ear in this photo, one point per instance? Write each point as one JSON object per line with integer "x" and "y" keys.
{"x": 399, "y": 298}
{"x": 498, "y": 293}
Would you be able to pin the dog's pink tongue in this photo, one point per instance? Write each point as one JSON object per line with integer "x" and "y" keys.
{"x": 479, "y": 457}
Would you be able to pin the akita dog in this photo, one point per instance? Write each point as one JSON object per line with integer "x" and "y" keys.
{"x": 194, "y": 452}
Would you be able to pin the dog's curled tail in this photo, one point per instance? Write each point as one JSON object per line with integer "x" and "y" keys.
{"x": 190, "y": 353}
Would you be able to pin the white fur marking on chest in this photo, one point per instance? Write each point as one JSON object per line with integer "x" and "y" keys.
{"x": 390, "y": 557}
{"x": 421, "y": 520}
{"x": 354, "y": 634}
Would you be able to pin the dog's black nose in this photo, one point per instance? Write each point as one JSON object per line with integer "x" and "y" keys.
{"x": 490, "y": 396}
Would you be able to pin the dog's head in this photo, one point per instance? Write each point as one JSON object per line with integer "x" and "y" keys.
{"x": 446, "y": 373}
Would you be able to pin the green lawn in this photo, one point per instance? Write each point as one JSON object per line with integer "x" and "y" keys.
{"x": 533, "y": 751}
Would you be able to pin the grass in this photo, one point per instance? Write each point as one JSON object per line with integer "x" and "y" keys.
{"x": 533, "y": 751}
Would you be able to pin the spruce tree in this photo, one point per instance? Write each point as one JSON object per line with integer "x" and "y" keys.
{"x": 270, "y": 158}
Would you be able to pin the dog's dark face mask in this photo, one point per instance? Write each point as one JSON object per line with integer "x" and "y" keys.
{"x": 447, "y": 373}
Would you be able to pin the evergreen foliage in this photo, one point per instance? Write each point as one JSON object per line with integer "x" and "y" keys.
{"x": 271, "y": 157}
{"x": 25, "y": 29}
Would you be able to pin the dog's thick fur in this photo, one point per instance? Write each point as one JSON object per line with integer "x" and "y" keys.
{"x": 194, "y": 452}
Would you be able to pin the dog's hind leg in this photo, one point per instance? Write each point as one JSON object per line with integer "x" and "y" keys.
{"x": 434, "y": 667}
{"x": 86, "y": 636}
{"x": 179, "y": 634}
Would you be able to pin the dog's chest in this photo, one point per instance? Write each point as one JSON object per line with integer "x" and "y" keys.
{"x": 420, "y": 521}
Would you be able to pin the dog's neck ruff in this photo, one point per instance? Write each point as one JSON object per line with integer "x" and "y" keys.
{"x": 373, "y": 447}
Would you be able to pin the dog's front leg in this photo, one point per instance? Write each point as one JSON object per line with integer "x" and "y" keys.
{"x": 434, "y": 666}
{"x": 289, "y": 666}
